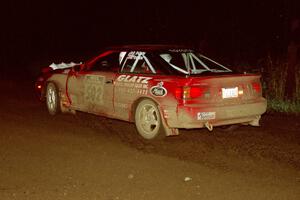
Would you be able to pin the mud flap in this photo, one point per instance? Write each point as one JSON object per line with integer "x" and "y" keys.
{"x": 171, "y": 131}
{"x": 168, "y": 130}
{"x": 255, "y": 122}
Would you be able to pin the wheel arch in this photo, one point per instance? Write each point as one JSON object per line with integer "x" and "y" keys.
{"x": 164, "y": 120}
{"x": 136, "y": 103}
{"x": 54, "y": 82}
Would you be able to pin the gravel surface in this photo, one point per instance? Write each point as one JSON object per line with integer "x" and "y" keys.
{"x": 89, "y": 157}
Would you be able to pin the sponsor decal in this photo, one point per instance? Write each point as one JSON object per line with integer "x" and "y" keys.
{"x": 133, "y": 79}
{"x": 136, "y": 55}
{"x": 131, "y": 91}
{"x": 137, "y": 85}
{"x": 159, "y": 90}
{"x": 206, "y": 115}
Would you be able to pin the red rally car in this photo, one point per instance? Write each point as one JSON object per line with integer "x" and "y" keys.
{"x": 159, "y": 88}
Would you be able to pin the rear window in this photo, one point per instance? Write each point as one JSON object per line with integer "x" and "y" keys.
{"x": 142, "y": 63}
{"x": 192, "y": 63}
{"x": 176, "y": 62}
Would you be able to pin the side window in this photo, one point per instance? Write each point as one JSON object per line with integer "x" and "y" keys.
{"x": 177, "y": 61}
{"x": 142, "y": 67}
{"x": 107, "y": 63}
{"x": 129, "y": 64}
{"x": 137, "y": 62}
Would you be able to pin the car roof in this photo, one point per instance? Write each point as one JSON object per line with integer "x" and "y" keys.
{"x": 148, "y": 47}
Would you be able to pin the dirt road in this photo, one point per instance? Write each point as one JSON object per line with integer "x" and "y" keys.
{"x": 87, "y": 157}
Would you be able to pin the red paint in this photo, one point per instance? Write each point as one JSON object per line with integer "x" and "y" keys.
{"x": 67, "y": 82}
{"x": 257, "y": 87}
{"x": 186, "y": 96}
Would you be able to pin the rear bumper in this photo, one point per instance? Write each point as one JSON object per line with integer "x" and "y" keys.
{"x": 216, "y": 115}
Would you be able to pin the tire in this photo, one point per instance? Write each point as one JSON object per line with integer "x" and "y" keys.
{"x": 52, "y": 99}
{"x": 148, "y": 121}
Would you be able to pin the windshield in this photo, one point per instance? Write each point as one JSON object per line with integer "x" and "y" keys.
{"x": 188, "y": 62}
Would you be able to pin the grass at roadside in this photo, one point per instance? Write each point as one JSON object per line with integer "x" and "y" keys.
{"x": 275, "y": 105}
{"x": 274, "y": 79}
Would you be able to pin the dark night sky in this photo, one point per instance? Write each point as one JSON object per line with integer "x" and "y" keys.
{"x": 37, "y": 31}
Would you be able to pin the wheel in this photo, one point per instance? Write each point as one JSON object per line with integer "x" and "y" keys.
{"x": 52, "y": 99}
{"x": 148, "y": 121}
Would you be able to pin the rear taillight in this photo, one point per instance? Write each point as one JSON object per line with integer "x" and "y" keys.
{"x": 256, "y": 87}
{"x": 188, "y": 92}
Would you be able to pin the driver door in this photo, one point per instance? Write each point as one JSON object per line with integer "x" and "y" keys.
{"x": 98, "y": 84}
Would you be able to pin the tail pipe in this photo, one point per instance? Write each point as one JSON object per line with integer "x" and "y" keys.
{"x": 209, "y": 126}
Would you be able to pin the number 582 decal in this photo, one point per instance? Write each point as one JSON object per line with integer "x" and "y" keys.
{"x": 93, "y": 89}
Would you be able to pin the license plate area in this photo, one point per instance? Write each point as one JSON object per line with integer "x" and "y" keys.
{"x": 230, "y": 92}
{"x": 206, "y": 115}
